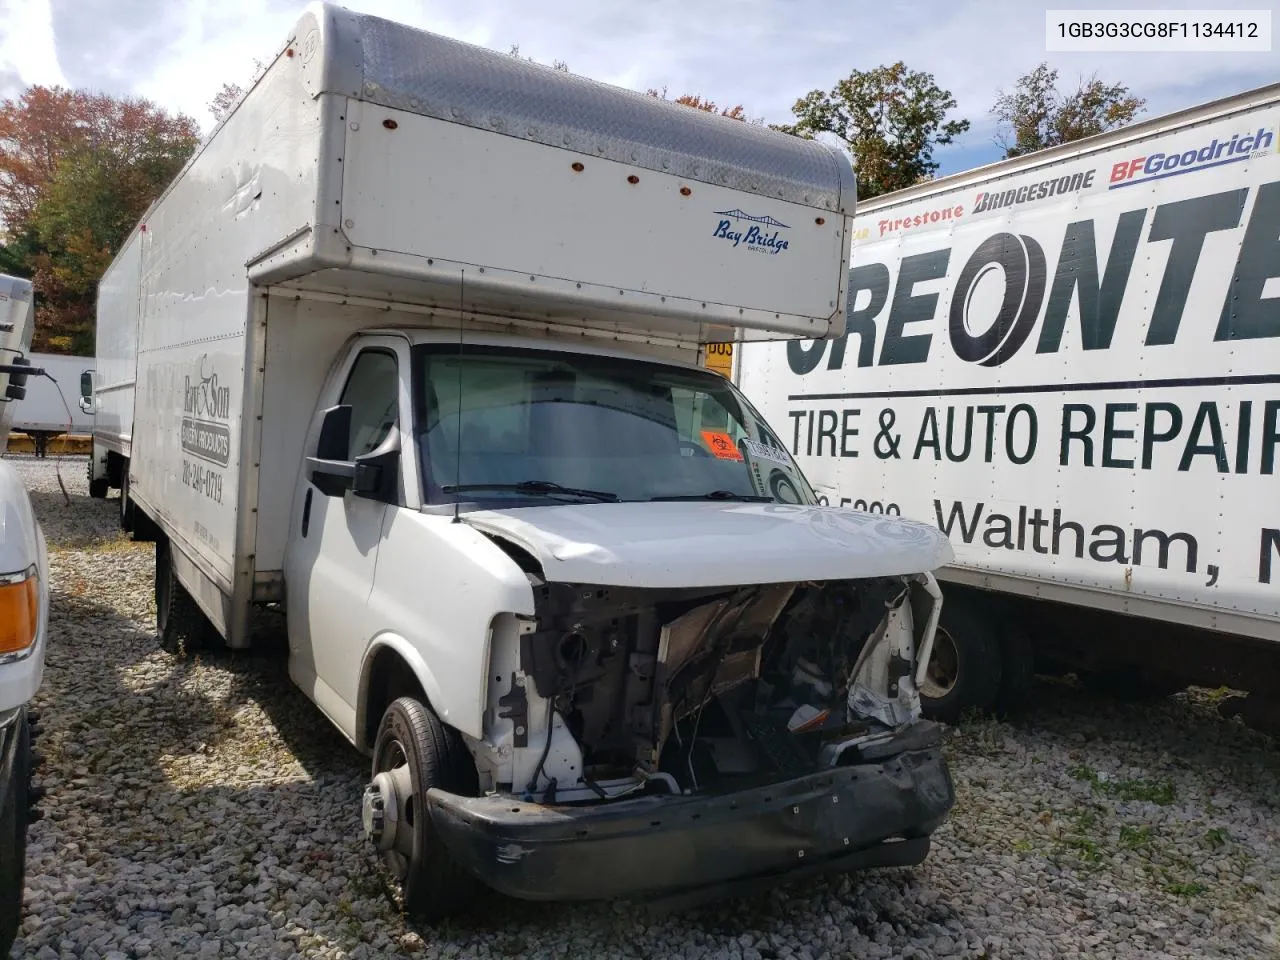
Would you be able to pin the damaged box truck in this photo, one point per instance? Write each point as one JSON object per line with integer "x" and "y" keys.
{"x": 417, "y": 360}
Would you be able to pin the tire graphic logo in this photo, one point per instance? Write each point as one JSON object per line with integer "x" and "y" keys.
{"x": 1022, "y": 261}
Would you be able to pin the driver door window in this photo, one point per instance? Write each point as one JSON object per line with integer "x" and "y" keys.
{"x": 373, "y": 392}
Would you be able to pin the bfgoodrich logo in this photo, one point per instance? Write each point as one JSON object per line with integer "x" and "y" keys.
{"x": 757, "y": 234}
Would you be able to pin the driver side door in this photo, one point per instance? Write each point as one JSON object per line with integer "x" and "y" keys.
{"x": 333, "y": 549}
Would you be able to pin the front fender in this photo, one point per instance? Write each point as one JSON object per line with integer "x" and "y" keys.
{"x": 413, "y": 658}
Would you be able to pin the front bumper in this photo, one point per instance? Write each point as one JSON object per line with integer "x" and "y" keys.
{"x": 685, "y": 848}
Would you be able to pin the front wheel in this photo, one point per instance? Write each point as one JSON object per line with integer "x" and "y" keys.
{"x": 965, "y": 668}
{"x": 414, "y": 752}
{"x": 98, "y": 486}
{"x": 13, "y": 839}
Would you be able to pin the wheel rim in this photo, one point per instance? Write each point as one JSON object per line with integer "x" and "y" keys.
{"x": 944, "y": 666}
{"x": 394, "y": 759}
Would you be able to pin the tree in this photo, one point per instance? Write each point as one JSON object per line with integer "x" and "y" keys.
{"x": 229, "y": 94}
{"x": 1037, "y": 114}
{"x": 890, "y": 119}
{"x": 737, "y": 112}
{"x": 77, "y": 170}
{"x": 555, "y": 64}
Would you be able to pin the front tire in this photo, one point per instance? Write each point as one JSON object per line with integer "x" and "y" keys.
{"x": 965, "y": 668}
{"x": 13, "y": 841}
{"x": 181, "y": 624}
{"x": 415, "y": 748}
{"x": 98, "y": 486}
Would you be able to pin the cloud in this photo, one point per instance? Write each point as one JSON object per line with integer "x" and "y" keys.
{"x": 27, "y": 50}
{"x": 760, "y": 53}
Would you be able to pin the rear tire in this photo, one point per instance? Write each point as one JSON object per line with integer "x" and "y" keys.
{"x": 181, "y": 624}
{"x": 13, "y": 841}
{"x": 126, "y": 505}
{"x": 965, "y": 669}
{"x": 433, "y": 884}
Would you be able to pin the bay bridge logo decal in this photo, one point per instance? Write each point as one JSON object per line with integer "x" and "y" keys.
{"x": 756, "y": 234}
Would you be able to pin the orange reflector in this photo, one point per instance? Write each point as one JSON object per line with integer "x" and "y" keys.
{"x": 19, "y": 615}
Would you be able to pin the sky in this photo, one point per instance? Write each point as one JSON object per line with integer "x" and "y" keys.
{"x": 761, "y": 53}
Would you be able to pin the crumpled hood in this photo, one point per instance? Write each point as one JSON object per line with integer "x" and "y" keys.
{"x": 713, "y": 544}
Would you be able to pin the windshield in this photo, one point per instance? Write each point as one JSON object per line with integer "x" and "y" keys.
{"x": 555, "y": 426}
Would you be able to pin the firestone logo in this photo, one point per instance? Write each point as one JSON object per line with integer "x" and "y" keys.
{"x": 921, "y": 219}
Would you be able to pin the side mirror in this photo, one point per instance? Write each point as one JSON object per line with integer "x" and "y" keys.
{"x": 378, "y": 471}
{"x": 331, "y": 472}
{"x": 86, "y": 392}
{"x": 17, "y": 388}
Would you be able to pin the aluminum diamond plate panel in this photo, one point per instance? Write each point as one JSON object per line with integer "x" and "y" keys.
{"x": 393, "y": 65}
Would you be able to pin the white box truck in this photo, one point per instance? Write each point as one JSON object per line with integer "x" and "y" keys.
{"x": 1070, "y": 362}
{"x": 417, "y": 360}
{"x": 24, "y": 617}
{"x": 50, "y": 407}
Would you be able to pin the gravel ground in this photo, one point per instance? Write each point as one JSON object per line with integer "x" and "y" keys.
{"x": 206, "y": 809}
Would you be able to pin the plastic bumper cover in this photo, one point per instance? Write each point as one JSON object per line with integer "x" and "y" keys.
{"x": 871, "y": 814}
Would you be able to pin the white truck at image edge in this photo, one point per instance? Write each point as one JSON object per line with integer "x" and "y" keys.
{"x": 1069, "y": 362}
{"x": 24, "y": 617}
{"x": 410, "y": 350}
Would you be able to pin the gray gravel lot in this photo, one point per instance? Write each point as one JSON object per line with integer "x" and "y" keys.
{"x": 206, "y": 809}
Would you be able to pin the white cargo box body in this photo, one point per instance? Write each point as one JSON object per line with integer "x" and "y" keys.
{"x": 385, "y": 167}
{"x": 1071, "y": 363}
{"x": 44, "y": 408}
{"x": 16, "y": 326}
{"x": 116, "y": 347}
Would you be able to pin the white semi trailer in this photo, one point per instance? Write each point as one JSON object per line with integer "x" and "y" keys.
{"x": 1070, "y": 363}
{"x": 413, "y": 346}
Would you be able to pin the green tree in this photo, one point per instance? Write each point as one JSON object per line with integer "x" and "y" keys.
{"x": 889, "y": 118}
{"x": 77, "y": 170}
{"x": 1036, "y": 114}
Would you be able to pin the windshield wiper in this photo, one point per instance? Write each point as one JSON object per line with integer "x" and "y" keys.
{"x": 543, "y": 487}
{"x": 717, "y": 495}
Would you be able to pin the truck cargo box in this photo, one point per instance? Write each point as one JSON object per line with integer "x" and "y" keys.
{"x": 378, "y": 174}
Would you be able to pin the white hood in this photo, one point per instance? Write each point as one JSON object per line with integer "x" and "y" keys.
{"x": 714, "y": 544}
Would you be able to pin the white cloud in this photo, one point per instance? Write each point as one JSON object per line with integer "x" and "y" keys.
{"x": 27, "y": 51}
{"x": 761, "y": 53}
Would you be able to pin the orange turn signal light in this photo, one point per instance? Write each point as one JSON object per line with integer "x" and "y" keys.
{"x": 19, "y": 611}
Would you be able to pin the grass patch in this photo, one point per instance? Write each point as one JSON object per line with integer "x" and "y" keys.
{"x": 1160, "y": 792}
{"x": 1185, "y": 888}
{"x": 1216, "y": 838}
{"x": 1135, "y": 838}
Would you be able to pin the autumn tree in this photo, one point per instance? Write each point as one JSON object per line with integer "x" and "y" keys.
{"x": 736, "y": 112}
{"x": 1036, "y": 114}
{"x": 77, "y": 170}
{"x": 890, "y": 119}
{"x": 229, "y": 94}
{"x": 555, "y": 64}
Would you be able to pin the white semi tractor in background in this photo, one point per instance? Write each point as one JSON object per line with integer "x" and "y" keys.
{"x": 24, "y": 615}
{"x": 50, "y": 407}
{"x": 411, "y": 350}
{"x": 1070, "y": 363}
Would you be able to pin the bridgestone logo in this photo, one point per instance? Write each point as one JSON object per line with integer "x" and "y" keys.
{"x": 1033, "y": 191}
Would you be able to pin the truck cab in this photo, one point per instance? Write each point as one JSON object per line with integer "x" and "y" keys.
{"x": 582, "y": 608}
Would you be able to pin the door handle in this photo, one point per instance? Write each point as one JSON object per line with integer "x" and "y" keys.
{"x": 306, "y": 512}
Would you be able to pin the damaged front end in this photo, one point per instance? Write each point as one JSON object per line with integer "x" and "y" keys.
{"x": 702, "y": 738}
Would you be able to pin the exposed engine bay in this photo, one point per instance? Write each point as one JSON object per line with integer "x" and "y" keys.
{"x": 609, "y": 692}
